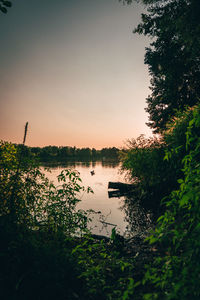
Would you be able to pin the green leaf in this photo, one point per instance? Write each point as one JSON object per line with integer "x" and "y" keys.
{"x": 180, "y": 181}
{"x": 184, "y": 200}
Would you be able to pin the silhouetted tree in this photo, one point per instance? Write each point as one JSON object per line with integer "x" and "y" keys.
{"x": 173, "y": 57}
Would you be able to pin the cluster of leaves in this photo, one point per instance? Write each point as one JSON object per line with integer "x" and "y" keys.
{"x": 175, "y": 274}
{"x": 29, "y": 198}
{"x": 37, "y": 222}
{"x": 153, "y": 177}
{"x": 138, "y": 158}
{"x": 4, "y": 5}
{"x": 106, "y": 272}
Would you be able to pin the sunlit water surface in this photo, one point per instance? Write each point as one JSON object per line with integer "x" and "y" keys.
{"x": 110, "y": 208}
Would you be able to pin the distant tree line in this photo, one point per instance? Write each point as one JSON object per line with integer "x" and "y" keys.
{"x": 64, "y": 153}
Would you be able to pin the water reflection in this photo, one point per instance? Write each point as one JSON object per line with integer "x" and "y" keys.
{"x": 139, "y": 218}
{"x": 122, "y": 211}
{"x": 111, "y": 214}
{"x": 84, "y": 164}
{"x": 109, "y": 164}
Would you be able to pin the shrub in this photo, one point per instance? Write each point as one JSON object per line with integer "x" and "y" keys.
{"x": 37, "y": 223}
{"x": 30, "y": 199}
{"x": 175, "y": 273}
{"x": 153, "y": 177}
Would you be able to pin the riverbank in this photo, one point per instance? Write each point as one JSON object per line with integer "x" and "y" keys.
{"x": 41, "y": 255}
{"x": 42, "y": 264}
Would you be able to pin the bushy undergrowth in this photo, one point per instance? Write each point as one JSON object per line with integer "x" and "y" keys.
{"x": 152, "y": 176}
{"x": 174, "y": 273}
{"x": 37, "y": 265}
{"x": 37, "y": 222}
{"x": 46, "y": 250}
{"x": 28, "y": 198}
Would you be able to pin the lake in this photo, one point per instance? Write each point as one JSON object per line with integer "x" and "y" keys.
{"x": 110, "y": 208}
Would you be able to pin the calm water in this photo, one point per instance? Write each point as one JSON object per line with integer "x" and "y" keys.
{"x": 110, "y": 208}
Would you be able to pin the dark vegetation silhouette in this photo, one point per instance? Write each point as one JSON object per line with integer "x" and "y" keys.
{"x": 172, "y": 57}
{"x": 165, "y": 169}
{"x": 45, "y": 242}
{"x": 63, "y": 154}
{"x": 46, "y": 249}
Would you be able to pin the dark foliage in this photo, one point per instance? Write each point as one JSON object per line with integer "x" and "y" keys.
{"x": 46, "y": 251}
{"x": 64, "y": 154}
{"x": 173, "y": 57}
{"x": 175, "y": 273}
{"x": 152, "y": 176}
{"x": 36, "y": 265}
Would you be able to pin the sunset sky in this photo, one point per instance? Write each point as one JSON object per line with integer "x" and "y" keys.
{"x": 75, "y": 71}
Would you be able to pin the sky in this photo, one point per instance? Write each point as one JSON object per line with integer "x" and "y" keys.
{"x": 75, "y": 71}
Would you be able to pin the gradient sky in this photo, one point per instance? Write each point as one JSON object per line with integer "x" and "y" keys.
{"x": 75, "y": 71}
